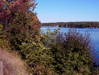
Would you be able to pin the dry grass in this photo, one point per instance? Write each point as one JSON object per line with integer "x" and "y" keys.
{"x": 12, "y": 65}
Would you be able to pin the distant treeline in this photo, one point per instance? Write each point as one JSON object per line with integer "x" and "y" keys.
{"x": 73, "y": 24}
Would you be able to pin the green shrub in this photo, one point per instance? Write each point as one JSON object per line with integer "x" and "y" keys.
{"x": 71, "y": 53}
{"x": 36, "y": 53}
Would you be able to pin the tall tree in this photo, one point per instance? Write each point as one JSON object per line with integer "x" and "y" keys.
{"x": 18, "y": 21}
{"x": 9, "y": 7}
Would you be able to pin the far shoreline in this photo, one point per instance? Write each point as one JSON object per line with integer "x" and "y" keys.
{"x": 73, "y": 24}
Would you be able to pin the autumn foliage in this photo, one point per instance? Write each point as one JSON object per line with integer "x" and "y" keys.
{"x": 8, "y": 8}
{"x": 18, "y": 24}
{"x": 50, "y": 53}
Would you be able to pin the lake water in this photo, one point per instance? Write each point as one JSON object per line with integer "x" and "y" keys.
{"x": 94, "y": 36}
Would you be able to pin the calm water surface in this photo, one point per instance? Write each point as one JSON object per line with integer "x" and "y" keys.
{"x": 94, "y": 36}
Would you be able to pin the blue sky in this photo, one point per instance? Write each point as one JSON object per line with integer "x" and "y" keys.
{"x": 67, "y": 10}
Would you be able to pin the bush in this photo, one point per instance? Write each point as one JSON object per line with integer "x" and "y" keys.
{"x": 36, "y": 53}
{"x": 70, "y": 52}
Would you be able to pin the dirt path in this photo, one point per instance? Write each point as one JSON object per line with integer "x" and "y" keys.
{"x": 10, "y": 64}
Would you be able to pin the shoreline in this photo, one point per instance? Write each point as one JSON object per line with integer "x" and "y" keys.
{"x": 73, "y": 24}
